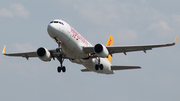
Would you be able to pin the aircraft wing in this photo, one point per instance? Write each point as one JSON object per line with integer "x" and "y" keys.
{"x": 124, "y": 49}
{"x": 33, "y": 54}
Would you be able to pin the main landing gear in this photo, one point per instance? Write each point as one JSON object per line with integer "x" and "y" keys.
{"x": 97, "y": 66}
{"x": 61, "y": 67}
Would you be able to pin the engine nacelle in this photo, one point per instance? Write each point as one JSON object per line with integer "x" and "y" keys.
{"x": 44, "y": 54}
{"x": 101, "y": 50}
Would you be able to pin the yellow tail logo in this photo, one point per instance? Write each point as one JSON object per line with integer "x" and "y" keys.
{"x": 109, "y": 43}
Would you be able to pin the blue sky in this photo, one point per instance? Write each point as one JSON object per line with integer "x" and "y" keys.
{"x": 131, "y": 22}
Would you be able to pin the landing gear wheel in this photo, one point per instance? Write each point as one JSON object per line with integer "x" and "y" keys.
{"x": 59, "y": 69}
{"x": 64, "y": 69}
{"x": 96, "y": 67}
{"x": 101, "y": 66}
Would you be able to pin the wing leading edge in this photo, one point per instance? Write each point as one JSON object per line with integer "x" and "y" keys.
{"x": 125, "y": 49}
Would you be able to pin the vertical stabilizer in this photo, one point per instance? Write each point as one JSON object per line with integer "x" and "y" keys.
{"x": 109, "y": 43}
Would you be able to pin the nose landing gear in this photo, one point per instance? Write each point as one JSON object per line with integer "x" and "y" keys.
{"x": 61, "y": 68}
{"x": 59, "y": 45}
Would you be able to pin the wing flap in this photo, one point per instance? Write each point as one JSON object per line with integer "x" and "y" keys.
{"x": 124, "y": 67}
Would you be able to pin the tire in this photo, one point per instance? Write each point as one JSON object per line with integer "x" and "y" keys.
{"x": 101, "y": 66}
{"x": 59, "y": 69}
{"x": 96, "y": 67}
{"x": 64, "y": 69}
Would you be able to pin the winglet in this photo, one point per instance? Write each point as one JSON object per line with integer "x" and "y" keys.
{"x": 176, "y": 39}
{"x": 4, "y": 49}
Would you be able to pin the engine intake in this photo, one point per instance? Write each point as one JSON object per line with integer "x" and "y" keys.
{"x": 43, "y": 54}
{"x": 101, "y": 50}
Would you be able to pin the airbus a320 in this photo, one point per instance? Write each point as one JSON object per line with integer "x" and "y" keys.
{"x": 73, "y": 46}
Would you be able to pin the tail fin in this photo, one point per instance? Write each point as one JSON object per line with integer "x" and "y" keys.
{"x": 109, "y": 43}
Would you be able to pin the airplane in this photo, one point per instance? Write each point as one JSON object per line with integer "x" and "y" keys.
{"x": 73, "y": 46}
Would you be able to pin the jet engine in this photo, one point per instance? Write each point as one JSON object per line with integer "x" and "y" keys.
{"x": 101, "y": 50}
{"x": 43, "y": 54}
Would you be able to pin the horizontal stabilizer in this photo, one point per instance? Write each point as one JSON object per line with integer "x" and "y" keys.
{"x": 124, "y": 67}
{"x": 86, "y": 70}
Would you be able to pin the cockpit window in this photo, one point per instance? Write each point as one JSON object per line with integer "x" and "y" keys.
{"x": 57, "y": 22}
{"x": 61, "y": 23}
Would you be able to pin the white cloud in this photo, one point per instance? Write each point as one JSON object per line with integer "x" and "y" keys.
{"x": 100, "y": 16}
{"x": 111, "y": 12}
{"x": 98, "y": 12}
{"x": 161, "y": 28}
{"x": 6, "y": 13}
{"x": 24, "y": 47}
{"x": 15, "y": 10}
{"x": 124, "y": 35}
{"x": 20, "y": 10}
{"x": 136, "y": 18}
{"x": 161, "y": 25}
{"x": 176, "y": 18}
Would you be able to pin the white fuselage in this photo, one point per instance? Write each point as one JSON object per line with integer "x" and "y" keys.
{"x": 72, "y": 46}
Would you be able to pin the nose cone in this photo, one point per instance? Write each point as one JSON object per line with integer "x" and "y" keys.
{"x": 51, "y": 28}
